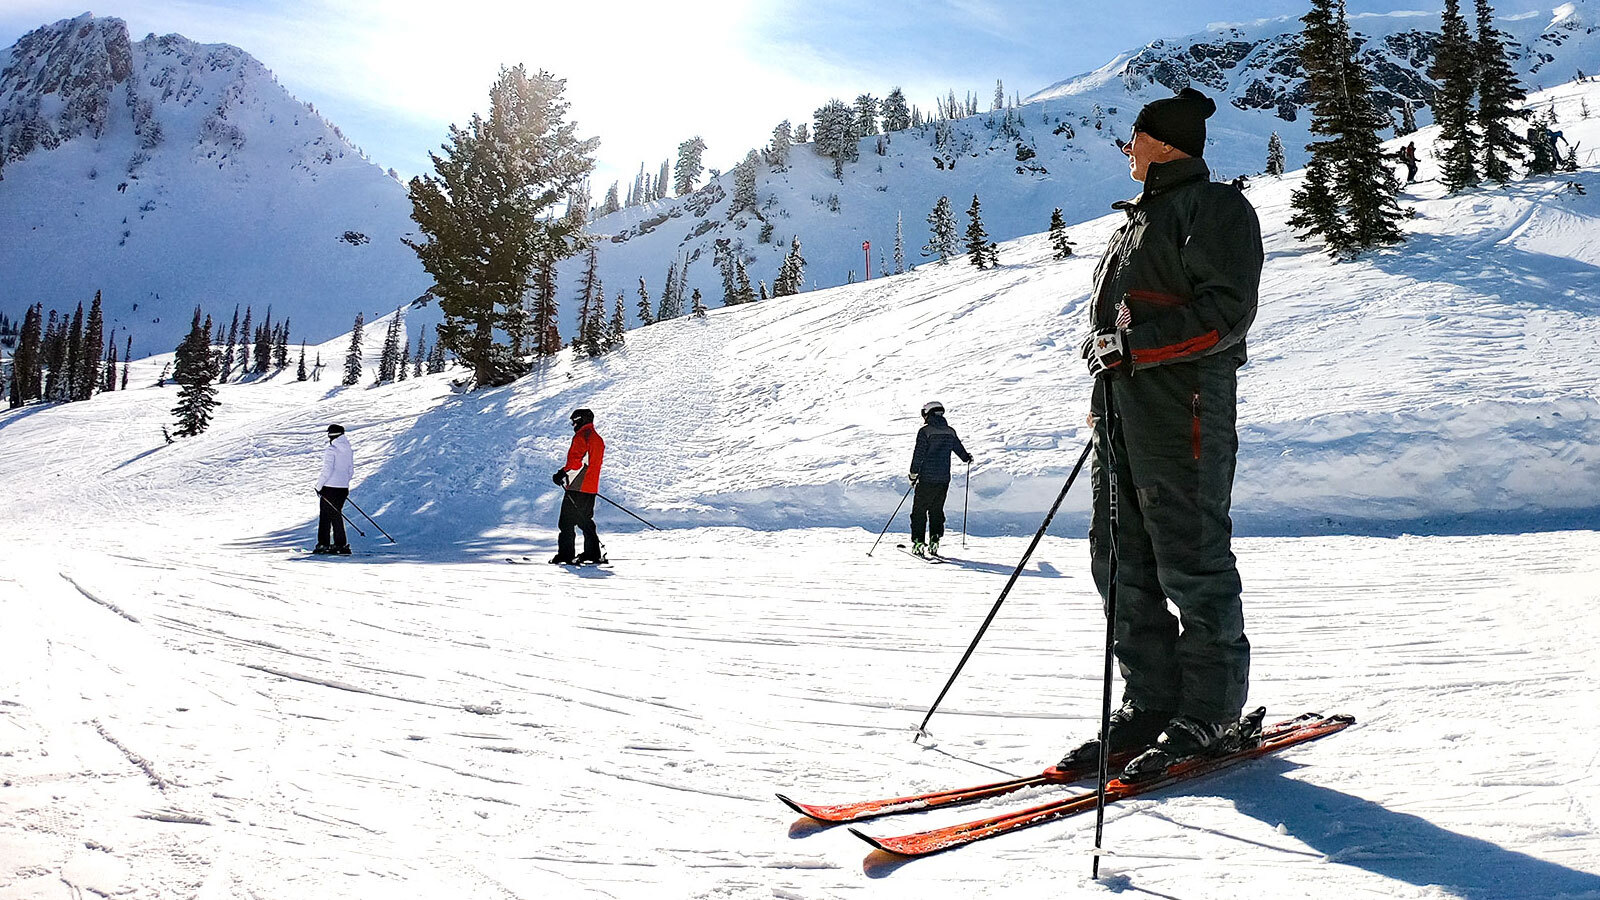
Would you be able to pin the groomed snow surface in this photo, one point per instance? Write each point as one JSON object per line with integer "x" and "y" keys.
{"x": 189, "y": 708}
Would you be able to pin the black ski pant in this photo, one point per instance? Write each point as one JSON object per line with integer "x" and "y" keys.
{"x": 330, "y": 519}
{"x": 577, "y": 511}
{"x": 1174, "y": 444}
{"x": 927, "y": 510}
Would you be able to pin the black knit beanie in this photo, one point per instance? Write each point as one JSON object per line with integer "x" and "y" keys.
{"x": 1179, "y": 121}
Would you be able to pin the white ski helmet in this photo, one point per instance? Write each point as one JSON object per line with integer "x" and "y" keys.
{"x": 932, "y": 406}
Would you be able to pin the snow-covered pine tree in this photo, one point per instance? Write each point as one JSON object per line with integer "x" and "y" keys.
{"x": 485, "y": 212}
{"x": 68, "y": 388}
{"x": 233, "y": 342}
{"x": 836, "y": 137}
{"x": 127, "y": 355}
{"x": 802, "y": 133}
{"x": 866, "y": 110}
{"x": 662, "y": 180}
{"x": 193, "y": 372}
{"x": 612, "y": 202}
{"x": 899, "y": 244}
{"x": 1275, "y": 160}
{"x": 280, "y": 352}
{"x": 404, "y": 362}
{"x": 1408, "y": 119}
{"x": 420, "y": 357}
{"x": 1500, "y": 98}
{"x": 53, "y": 353}
{"x": 300, "y": 371}
{"x": 109, "y": 383}
{"x": 391, "y": 351}
{"x": 1058, "y": 235}
{"x": 617, "y": 329}
{"x": 590, "y": 304}
{"x": 669, "y": 308}
{"x": 436, "y": 359}
{"x": 896, "y": 117}
{"x": 1454, "y": 69}
{"x": 646, "y": 317}
{"x": 352, "y": 357}
{"x": 690, "y": 155}
{"x": 980, "y": 251}
{"x": 942, "y": 230}
{"x": 697, "y": 306}
{"x": 792, "y": 273}
{"x": 88, "y": 380}
{"x": 778, "y": 150}
{"x": 245, "y": 335}
{"x": 744, "y": 186}
{"x": 542, "y": 321}
{"x": 743, "y": 292}
{"x": 25, "y": 365}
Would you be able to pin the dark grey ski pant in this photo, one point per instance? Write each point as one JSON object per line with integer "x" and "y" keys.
{"x": 927, "y": 510}
{"x": 577, "y": 512}
{"x": 330, "y": 516}
{"x": 1175, "y": 446}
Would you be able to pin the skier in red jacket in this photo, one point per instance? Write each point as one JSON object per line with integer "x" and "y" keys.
{"x": 580, "y": 477}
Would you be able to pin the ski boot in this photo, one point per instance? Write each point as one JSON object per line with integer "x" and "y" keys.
{"x": 559, "y": 560}
{"x": 1187, "y": 737}
{"x": 933, "y": 548}
{"x": 919, "y": 548}
{"x": 341, "y": 550}
{"x": 1132, "y": 727}
{"x": 322, "y": 550}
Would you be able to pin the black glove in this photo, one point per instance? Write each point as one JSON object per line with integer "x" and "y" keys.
{"x": 560, "y": 477}
{"x": 1106, "y": 351}
{"x": 913, "y": 477}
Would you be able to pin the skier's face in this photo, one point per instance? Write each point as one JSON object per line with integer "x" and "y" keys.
{"x": 1144, "y": 150}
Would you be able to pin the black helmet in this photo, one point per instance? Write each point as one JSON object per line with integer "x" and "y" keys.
{"x": 932, "y": 406}
{"x": 582, "y": 417}
{"x": 335, "y": 430}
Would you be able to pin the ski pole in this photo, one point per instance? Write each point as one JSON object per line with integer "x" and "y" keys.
{"x": 1015, "y": 574}
{"x": 891, "y": 517}
{"x": 341, "y": 512}
{"x": 1111, "y": 622}
{"x": 372, "y": 520}
{"x": 965, "y": 498}
{"x": 621, "y": 507}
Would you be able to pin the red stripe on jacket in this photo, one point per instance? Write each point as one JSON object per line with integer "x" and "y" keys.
{"x": 1174, "y": 351}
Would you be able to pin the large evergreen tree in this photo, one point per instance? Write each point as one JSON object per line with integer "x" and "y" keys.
{"x": 243, "y": 363}
{"x": 836, "y": 136}
{"x": 280, "y": 349}
{"x": 54, "y": 356}
{"x": 896, "y": 117}
{"x": 778, "y": 150}
{"x": 866, "y": 111}
{"x": 1455, "y": 69}
{"x": 671, "y": 306}
{"x": 1364, "y": 182}
{"x": 942, "y": 231}
{"x": 352, "y": 357}
{"x": 27, "y": 362}
{"x": 591, "y": 304}
{"x": 1275, "y": 160}
{"x": 233, "y": 342}
{"x": 1058, "y": 235}
{"x": 981, "y": 252}
{"x": 744, "y": 186}
{"x": 691, "y": 154}
{"x": 616, "y": 330}
{"x": 193, "y": 369}
{"x": 697, "y": 305}
{"x": 389, "y": 360}
{"x": 1499, "y": 97}
{"x": 646, "y": 317}
{"x": 485, "y": 215}
{"x": 264, "y": 335}
{"x": 68, "y": 387}
{"x": 792, "y": 273}
{"x": 88, "y": 379}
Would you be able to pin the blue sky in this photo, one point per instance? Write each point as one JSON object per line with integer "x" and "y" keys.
{"x": 393, "y": 74}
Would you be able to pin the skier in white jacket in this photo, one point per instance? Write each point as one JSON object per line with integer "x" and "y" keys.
{"x": 338, "y": 465}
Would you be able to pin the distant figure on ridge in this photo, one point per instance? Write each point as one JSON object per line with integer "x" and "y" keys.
{"x": 1173, "y": 297}
{"x": 333, "y": 488}
{"x": 580, "y": 478}
{"x": 930, "y": 472}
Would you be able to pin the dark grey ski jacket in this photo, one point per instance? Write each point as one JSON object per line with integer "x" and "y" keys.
{"x": 930, "y": 461}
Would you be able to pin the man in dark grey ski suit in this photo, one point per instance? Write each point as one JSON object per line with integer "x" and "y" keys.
{"x": 930, "y": 472}
{"x": 1173, "y": 297}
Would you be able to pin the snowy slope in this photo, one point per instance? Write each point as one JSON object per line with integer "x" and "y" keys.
{"x": 187, "y": 709}
{"x": 170, "y": 174}
{"x": 1252, "y": 70}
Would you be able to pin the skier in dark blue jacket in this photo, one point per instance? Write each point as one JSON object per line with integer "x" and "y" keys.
{"x": 930, "y": 472}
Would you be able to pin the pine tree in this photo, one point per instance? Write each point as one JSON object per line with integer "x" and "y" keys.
{"x": 300, "y": 373}
{"x": 764, "y": 295}
{"x": 591, "y": 304}
{"x": 193, "y": 371}
{"x": 127, "y": 355}
{"x": 690, "y": 156}
{"x": 110, "y": 382}
{"x": 233, "y": 343}
{"x": 390, "y": 357}
{"x": 778, "y": 150}
{"x": 594, "y": 324}
{"x": 1408, "y": 119}
{"x": 89, "y": 380}
{"x": 836, "y": 135}
{"x": 26, "y": 362}
{"x": 866, "y": 111}
{"x": 617, "y": 329}
{"x": 1365, "y": 183}
{"x": 942, "y": 227}
{"x": 404, "y": 363}
{"x": 243, "y": 363}
{"x": 899, "y": 244}
{"x": 264, "y": 344}
{"x": 485, "y": 212}
{"x": 792, "y": 273}
{"x": 1454, "y": 68}
{"x": 422, "y": 342}
{"x": 697, "y": 305}
{"x": 895, "y": 115}
{"x": 980, "y": 251}
{"x": 671, "y": 305}
{"x": 743, "y": 292}
{"x": 280, "y": 350}
{"x": 645, "y": 316}
{"x": 54, "y": 355}
{"x": 662, "y": 180}
{"x": 1275, "y": 160}
{"x": 802, "y": 133}
{"x": 1316, "y": 210}
{"x": 1500, "y": 96}
{"x": 436, "y": 358}
{"x": 352, "y": 357}
{"x": 69, "y": 387}
{"x": 1058, "y": 235}
{"x": 744, "y": 186}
